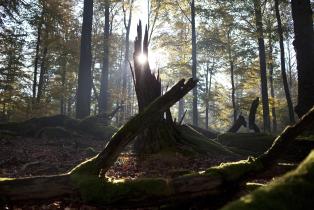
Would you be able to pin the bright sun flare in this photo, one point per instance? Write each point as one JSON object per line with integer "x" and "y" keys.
{"x": 142, "y": 58}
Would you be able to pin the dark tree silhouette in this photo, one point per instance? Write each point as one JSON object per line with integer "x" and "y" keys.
{"x": 283, "y": 64}
{"x": 194, "y": 63}
{"x": 103, "y": 94}
{"x": 83, "y": 97}
{"x": 262, "y": 59}
{"x": 304, "y": 46}
{"x": 252, "y": 114}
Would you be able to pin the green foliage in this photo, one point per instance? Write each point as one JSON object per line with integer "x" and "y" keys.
{"x": 291, "y": 192}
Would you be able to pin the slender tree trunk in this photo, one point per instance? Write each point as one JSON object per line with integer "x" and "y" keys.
{"x": 271, "y": 81}
{"x": 304, "y": 46}
{"x": 209, "y": 72}
{"x": 206, "y": 96}
{"x": 83, "y": 97}
{"x": 127, "y": 25}
{"x": 38, "y": 43}
{"x": 289, "y": 65}
{"x": 43, "y": 69}
{"x": 194, "y": 64}
{"x": 181, "y": 108}
{"x": 262, "y": 59}
{"x": 103, "y": 95}
{"x": 283, "y": 64}
{"x": 231, "y": 62}
{"x": 63, "y": 84}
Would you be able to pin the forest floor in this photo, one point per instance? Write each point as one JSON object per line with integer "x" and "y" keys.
{"x": 21, "y": 157}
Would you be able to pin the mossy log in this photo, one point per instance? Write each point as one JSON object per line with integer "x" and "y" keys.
{"x": 293, "y": 191}
{"x": 61, "y": 124}
{"x": 83, "y": 182}
{"x": 209, "y": 133}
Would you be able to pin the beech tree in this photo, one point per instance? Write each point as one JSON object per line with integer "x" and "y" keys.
{"x": 83, "y": 97}
{"x": 262, "y": 58}
{"x": 283, "y": 64}
{"x": 304, "y": 46}
{"x": 103, "y": 93}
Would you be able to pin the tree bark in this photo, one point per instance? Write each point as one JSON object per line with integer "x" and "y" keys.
{"x": 231, "y": 63}
{"x": 83, "y": 97}
{"x": 208, "y": 92}
{"x": 43, "y": 69}
{"x": 283, "y": 64}
{"x": 125, "y": 73}
{"x": 304, "y": 46}
{"x": 103, "y": 94}
{"x": 262, "y": 59}
{"x": 181, "y": 109}
{"x": 194, "y": 64}
{"x": 252, "y": 116}
{"x": 38, "y": 43}
{"x": 271, "y": 81}
{"x": 63, "y": 85}
{"x": 237, "y": 124}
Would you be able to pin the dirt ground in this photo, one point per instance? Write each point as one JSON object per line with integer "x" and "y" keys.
{"x": 22, "y": 157}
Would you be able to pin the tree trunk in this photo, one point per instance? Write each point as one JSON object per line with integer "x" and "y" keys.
{"x": 231, "y": 62}
{"x": 83, "y": 97}
{"x": 38, "y": 43}
{"x": 262, "y": 59}
{"x": 103, "y": 94}
{"x": 237, "y": 124}
{"x": 208, "y": 92}
{"x": 304, "y": 46}
{"x": 148, "y": 88}
{"x": 206, "y": 96}
{"x": 252, "y": 115}
{"x": 283, "y": 64}
{"x": 194, "y": 64}
{"x": 63, "y": 85}
{"x": 125, "y": 73}
{"x": 43, "y": 69}
{"x": 181, "y": 109}
{"x": 271, "y": 81}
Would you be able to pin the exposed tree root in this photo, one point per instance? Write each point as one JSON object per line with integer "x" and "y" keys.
{"x": 83, "y": 183}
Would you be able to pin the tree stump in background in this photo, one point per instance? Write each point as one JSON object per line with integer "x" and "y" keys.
{"x": 252, "y": 115}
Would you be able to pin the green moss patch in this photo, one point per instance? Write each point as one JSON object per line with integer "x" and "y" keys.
{"x": 293, "y": 191}
{"x": 247, "y": 143}
{"x": 234, "y": 170}
{"x": 100, "y": 191}
{"x": 201, "y": 144}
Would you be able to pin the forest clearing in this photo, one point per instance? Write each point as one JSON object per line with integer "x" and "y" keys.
{"x": 156, "y": 104}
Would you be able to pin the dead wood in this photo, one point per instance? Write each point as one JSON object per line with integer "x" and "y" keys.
{"x": 83, "y": 182}
{"x": 252, "y": 115}
{"x": 237, "y": 124}
{"x": 212, "y": 134}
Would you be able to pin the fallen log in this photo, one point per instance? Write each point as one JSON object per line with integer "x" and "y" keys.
{"x": 61, "y": 125}
{"x": 237, "y": 124}
{"x": 212, "y": 134}
{"x": 292, "y": 191}
{"x": 84, "y": 184}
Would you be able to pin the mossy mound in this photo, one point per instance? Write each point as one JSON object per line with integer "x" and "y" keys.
{"x": 246, "y": 143}
{"x": 293, "y": 191}
{"x": 195, "y": 142}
